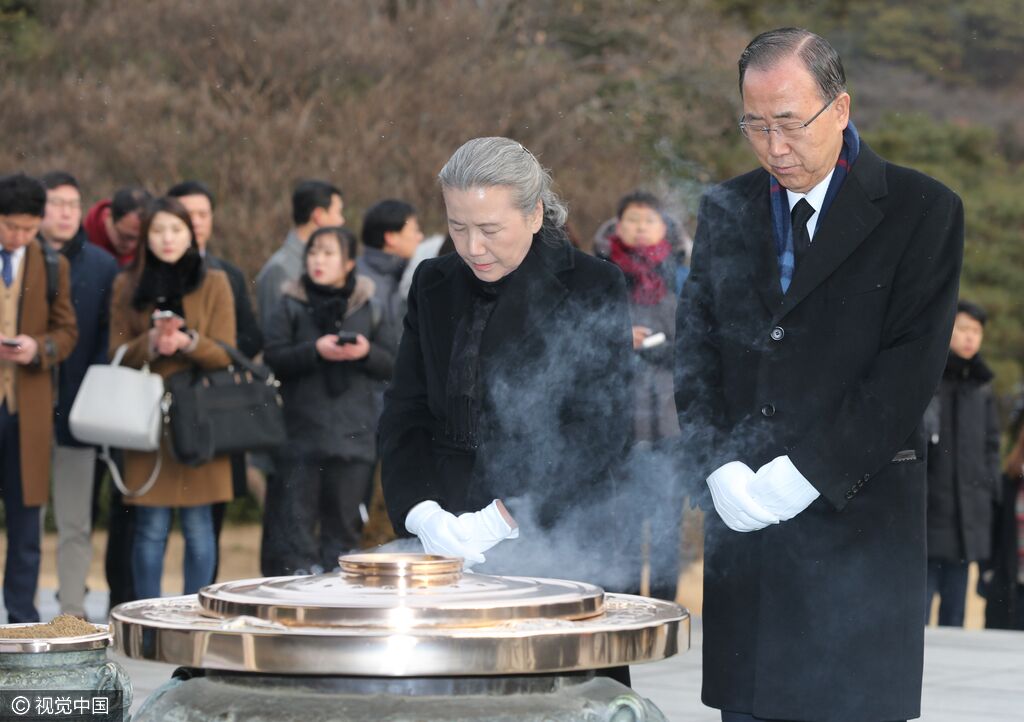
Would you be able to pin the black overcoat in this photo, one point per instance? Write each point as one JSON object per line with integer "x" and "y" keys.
{"x": 555, "y": 359}
{"x": 963, "y": 463}
{"x": 819, "y": 618}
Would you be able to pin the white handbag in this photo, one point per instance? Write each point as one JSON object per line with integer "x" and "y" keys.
{"x": 121, "y": 407}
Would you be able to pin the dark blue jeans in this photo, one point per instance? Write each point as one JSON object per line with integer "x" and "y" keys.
{"x": 152, "y": 526}
{"x": 949, "y": 581}
{"x": 21, "y": 571}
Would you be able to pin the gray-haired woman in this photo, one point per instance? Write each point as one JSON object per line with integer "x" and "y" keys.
{"x": 512, "y": 377}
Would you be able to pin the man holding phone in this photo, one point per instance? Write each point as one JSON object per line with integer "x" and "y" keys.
{"x": 35, "y": 335}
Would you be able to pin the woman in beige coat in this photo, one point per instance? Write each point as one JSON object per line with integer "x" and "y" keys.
{"x": 170, "y": 311}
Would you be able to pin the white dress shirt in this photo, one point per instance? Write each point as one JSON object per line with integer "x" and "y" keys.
{"x": 816, "y": 197}
{"x": 16, "y": 257}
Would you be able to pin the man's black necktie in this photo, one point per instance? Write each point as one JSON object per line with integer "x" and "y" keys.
{"x": 800, "y": 214}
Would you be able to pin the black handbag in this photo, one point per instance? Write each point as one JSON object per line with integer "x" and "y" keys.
{"x": 223, "y": 411}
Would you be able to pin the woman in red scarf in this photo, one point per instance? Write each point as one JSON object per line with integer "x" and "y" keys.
{"x": 640, "y": 248}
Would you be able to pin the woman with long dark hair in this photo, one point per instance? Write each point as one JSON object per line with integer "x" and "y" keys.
{"x": 170, "y": 312}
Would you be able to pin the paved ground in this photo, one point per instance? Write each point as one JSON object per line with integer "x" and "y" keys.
{"x": 969, "y": 676}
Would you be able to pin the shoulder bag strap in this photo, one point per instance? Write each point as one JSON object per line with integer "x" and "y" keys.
{"x": 104, "y": 455}
{"x": 242, "y": 360}
{"x": 115, "y": 474}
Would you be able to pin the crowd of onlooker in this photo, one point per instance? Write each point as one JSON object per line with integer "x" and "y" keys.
{"x": 139, "y": 273}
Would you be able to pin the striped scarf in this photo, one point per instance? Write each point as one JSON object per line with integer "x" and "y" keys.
{"x": 781, "y": 223}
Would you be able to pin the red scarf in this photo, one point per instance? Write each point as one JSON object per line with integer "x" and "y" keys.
{"x": 640, "y": 264}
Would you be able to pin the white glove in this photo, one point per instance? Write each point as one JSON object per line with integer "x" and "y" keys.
{"x": 728, "y": 484}
{"x": 467, "y": 536}
{"x": 486, "y": 528}
{"x": 780, "y": 488}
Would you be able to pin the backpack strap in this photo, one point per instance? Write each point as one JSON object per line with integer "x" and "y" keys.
{"x": 52, "y": 260}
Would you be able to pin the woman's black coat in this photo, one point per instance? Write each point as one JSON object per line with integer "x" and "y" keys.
{"x": 554, "y": 362}
{"x": 963, "y": 463}
{"x": 317, "y": 424}
{"x": 1002, "y": 591}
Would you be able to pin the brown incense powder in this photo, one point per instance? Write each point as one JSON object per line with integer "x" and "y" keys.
{"x": 64, "y": 625}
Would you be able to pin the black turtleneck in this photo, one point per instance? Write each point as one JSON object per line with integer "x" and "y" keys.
{"x": 463, "y": 393}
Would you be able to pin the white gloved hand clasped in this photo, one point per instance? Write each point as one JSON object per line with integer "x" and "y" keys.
{"x": 781, "y": 489}
{"x": 466, "y": 536}
{"x": 729, "y": 490}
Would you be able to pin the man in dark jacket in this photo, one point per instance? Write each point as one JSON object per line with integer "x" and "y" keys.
{"x": 963, "y": 467}
{"x": 390, "y": 236}
{"x": 812, "y": 332}
{"x": 92, "y": 277}
{"x": 199, "y": 202}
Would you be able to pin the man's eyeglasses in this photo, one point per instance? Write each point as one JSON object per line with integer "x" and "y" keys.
{"x": 790, "y": 131}
{"x": 64, "y": 204}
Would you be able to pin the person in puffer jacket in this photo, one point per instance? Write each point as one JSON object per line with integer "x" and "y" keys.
{"x": 328, "y": 345}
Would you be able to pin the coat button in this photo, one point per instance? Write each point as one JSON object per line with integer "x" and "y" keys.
{"x": 777, "y": 333}
{"x": 768, "y": 411}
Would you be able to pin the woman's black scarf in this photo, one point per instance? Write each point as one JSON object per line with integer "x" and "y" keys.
{"x": 463, "y": 392}
{"x": 164, "y": 285}
{"x": 328, "y": 305}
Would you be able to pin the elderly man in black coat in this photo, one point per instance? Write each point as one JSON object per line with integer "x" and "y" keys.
{"x": 811, "y": 335}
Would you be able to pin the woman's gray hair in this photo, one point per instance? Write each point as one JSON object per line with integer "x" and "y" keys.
{"x": 486, "y": 162}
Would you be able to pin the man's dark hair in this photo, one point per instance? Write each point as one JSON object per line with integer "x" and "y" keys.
{"x": 638, "y": 198}
{"x": 383, "y": 217}
{"x": 818, "y": 56}
{"x": 346, "y": 239}
{"x": 973, "y": 310}
{"x": 132, "y": 199}
{"x": 192, "y": 188}
{"x": 20, "y": 194}
{"x": 58, "y": 178}
{"x": 310, "y": 195}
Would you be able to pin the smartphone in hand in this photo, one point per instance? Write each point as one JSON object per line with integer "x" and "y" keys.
{"x": 11, "y": 343}
{"x": 345, "y": 337}
{"x": 161, "y": 315}
{"x": 655, "y": 339}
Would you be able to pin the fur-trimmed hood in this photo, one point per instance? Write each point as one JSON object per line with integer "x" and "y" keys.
{"x": 361, "y": 295}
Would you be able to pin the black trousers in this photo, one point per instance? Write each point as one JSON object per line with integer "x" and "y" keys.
{"x": 21, "y": 568}
{"x": 120, "y": 541}
{"x": 239, "y": 489}
{"x": 311, "y": 515}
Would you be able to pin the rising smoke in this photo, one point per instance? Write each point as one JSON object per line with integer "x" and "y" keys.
{"x": 558, "y": 452}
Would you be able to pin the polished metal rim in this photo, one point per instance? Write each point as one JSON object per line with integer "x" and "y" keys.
{"x": 180, "y": 631}
{"x": 401, "y": 591}
{"x": 82, "y": 643}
